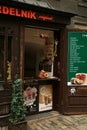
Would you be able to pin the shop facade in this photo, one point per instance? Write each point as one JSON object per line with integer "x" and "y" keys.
{"x": 35, "y": 43}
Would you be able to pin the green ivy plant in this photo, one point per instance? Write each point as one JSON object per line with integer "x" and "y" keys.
{"x": 17, "y": 104}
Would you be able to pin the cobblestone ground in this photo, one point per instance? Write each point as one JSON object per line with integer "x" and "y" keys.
{"x": 55, "y": 121}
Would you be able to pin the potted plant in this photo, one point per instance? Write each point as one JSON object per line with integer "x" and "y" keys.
{"x": 17, "y": 116}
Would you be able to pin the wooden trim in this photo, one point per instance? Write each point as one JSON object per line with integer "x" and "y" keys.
{"x": 21, "y": 51}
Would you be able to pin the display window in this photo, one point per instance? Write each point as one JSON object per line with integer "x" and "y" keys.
{"x": 5, "y": 53}
{"x": 40, "y": 48}
{"x": 1, "y": 57}
{"x": 7, "y": 47}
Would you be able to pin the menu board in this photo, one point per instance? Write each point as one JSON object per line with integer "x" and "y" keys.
{"x": 77, "y": 58}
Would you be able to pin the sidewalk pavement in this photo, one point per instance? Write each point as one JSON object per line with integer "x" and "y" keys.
{"x": 55, "y": 121}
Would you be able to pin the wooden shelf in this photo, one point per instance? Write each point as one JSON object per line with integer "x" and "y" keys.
{"x": 40, "y": 79}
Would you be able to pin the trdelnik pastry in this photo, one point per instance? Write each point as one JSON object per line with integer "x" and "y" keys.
{"x": 80, "y": 78}
{"x": 83, "y": 77}
{"x": 76, "y": 81}
{"x": 43, "y": 74}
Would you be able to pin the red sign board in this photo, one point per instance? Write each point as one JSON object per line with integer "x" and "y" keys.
{"x": 24, "y": 13}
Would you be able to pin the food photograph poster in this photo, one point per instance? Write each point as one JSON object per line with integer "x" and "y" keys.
{"x": 30, "y": 99}
{"x": 77, "y": 58}
{"x": 45, "y": 97}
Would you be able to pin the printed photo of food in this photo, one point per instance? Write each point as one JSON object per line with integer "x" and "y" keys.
{"x": 45, "y": 97}
{"x": 80, "y": 78}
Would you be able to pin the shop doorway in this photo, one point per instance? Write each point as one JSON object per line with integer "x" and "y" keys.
{"x": 41, "y": 52}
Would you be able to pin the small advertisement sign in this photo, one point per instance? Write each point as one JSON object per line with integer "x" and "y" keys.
{"x": 45, "y": 97}
{"x": 31, "y": 98}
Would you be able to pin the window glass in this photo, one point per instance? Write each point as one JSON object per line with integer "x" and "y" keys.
{"x": 2, "y": 31}
{"x": 1, "y": 58}
{"x": 5, "y": 52}
{"x": 9, "y": 60}
{"x": 38, "y": 55}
